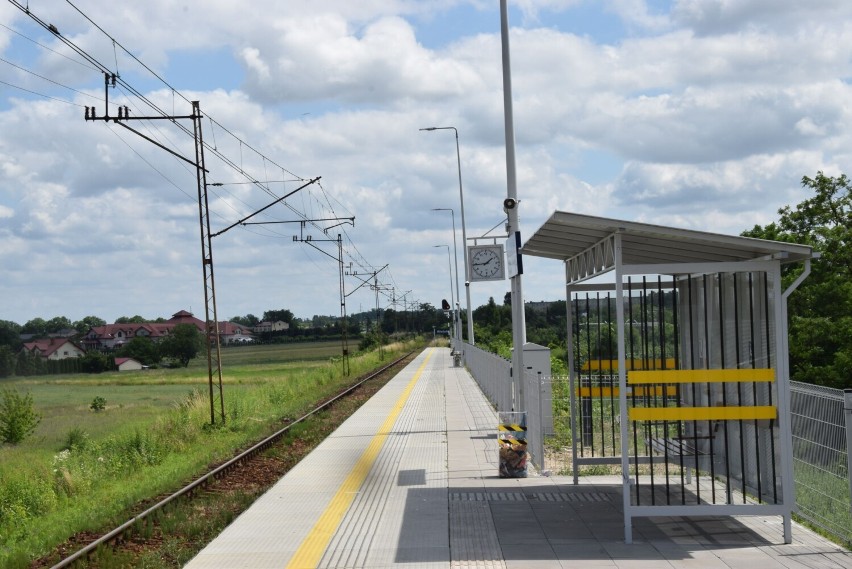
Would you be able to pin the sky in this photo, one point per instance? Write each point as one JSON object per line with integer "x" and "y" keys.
{"x": 700, "y": 114}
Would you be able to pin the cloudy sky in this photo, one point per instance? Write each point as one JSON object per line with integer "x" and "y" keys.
{"x": 702, "y": 114}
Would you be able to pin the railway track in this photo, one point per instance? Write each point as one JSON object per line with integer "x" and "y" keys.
{"x": 219, "y": 472}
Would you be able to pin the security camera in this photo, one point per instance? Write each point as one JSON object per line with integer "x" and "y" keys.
{"x": 466, "y": 283}
{"x": 509, "y": 203}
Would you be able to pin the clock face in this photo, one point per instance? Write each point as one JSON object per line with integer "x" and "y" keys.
{"x": 486, "y": 263}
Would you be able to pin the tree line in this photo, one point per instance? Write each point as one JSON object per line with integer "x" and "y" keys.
{"x": 820, "y": 310}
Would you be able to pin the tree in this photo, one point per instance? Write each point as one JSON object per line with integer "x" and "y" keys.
{"x": 10, "y": 334}
{"x": 35, "y": 326}
{"x": 249, "y": 320}
{"x": 821, "y": 309}
{"x": 130, "y": 320}
{"x": 29, "y": 364}
{"x": 57, "y": 324}
{"x": 142, "y": 349}
{"x": 87, "y": 323}
{"x": 96, "y": 362}
{"x": 18, "y": 418}
{"x": 182, "y": 344}
{"x": 8, "y": 361}
{"x": 283, "y": 315}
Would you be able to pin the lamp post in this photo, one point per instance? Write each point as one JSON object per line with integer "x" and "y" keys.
{"x": 450, "y": 267}
{"x": 470, "y": 338}
{"x": 457, "y": 322}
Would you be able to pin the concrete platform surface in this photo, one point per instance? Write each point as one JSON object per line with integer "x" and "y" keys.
{"x": 410, "y": 480}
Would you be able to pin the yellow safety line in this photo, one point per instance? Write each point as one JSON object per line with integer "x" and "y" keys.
{"x": 700, "y": 375}
{"x": 313, "y": 546}
{"x": 702, "y": 413}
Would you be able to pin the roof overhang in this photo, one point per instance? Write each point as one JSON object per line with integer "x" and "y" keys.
{"x": 587, "y": 244}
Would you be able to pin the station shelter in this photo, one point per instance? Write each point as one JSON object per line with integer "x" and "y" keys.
{"x": 679, "y": 369}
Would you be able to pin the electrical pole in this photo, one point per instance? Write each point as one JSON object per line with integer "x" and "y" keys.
{"x": 344, "y": 334}
{"x": 211, "y": 323}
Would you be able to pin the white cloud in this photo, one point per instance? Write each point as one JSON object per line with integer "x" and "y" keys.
{"x": 704, "y": 117}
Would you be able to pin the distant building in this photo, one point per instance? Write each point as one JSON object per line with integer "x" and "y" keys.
{"x": 128, "y": 364}
{"x": 276, "y": 326}
{"x": 54, "y": 348}
{"x": 111, "y": 336}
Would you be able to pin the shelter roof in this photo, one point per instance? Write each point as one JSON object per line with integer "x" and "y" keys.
{"x": 566, "y": 236}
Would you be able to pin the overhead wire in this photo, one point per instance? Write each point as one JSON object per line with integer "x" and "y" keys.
{"x": 30, "y": 91}
{"x": 34, "y": 74}
{"x": 92, "y": 63}
{"x": 41, "y": 45}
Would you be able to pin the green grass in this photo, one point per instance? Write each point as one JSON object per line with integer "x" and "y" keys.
{"x": 153, "y": 436}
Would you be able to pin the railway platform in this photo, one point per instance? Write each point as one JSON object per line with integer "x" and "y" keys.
{"x": 411, "y": 480}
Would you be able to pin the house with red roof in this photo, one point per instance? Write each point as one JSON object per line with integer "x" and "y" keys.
{"x": 112, "y": 336}
{"x": 54, "y": 348}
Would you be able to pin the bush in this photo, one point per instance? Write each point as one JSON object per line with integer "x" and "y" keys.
{"x": 18, "y": 418}
{"x": 96, "y": 362}
{"x": 76, "y": 438}
{"x": 98, "y": 404}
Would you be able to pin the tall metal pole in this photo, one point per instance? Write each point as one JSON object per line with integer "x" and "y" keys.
{"x": 519, "y": 332}
{"x": 469, "y": 309}
{"x": 450, "y": 267}
{"x": 457, "y": 319}
{"x": 211, "y": 336}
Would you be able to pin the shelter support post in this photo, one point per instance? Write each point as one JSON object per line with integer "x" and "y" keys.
{"x": 622, "y": 393}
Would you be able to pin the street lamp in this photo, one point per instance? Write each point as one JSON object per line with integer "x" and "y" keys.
{"x": 450, "y": 267}
{"x": 457, "y": 322}
{"x": 470, "y": 338}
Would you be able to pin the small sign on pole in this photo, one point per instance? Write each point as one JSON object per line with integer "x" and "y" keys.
{"x": 514, "y": 263}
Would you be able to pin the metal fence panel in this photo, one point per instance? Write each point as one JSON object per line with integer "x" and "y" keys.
{"x": 820, "y": 458}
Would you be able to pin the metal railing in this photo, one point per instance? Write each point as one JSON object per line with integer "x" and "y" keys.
{"x": 493, "y": 375}
{"x": 821, "y": 460}
{"x": 821, "y": 423}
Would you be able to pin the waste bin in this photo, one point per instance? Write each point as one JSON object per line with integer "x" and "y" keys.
{"x": 457, "y": 359}
{"x": 512, "y": 439}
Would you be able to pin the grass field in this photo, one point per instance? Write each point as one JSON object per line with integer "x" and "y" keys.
{"x": 138, "y": 397}
{"x": 82, "y": 469}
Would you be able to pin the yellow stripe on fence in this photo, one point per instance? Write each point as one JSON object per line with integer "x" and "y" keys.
{"x": 610, "y": 365}
{"x": 700, "y": 376}
{"x": 731, "y": 413}
{"x": 613, "y": 392}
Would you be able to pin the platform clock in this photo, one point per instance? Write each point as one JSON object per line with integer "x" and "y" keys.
{"x": 487, "y": 263}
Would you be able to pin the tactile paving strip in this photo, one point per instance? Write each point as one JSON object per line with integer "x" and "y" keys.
{"x": 521, "y": 497}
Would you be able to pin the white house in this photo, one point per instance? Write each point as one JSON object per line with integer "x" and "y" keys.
{"x": 54, "y": 348}
{"x": 276, "y": 326}
{"x": 127, "y": 364}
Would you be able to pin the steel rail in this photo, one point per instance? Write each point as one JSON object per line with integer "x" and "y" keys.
{"x": 216, "y": 472}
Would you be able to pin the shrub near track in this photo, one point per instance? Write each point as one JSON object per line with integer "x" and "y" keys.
{"x": 48, "y": 493}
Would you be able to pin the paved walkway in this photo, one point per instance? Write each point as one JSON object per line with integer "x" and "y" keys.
{"x": 410, "y": 480}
